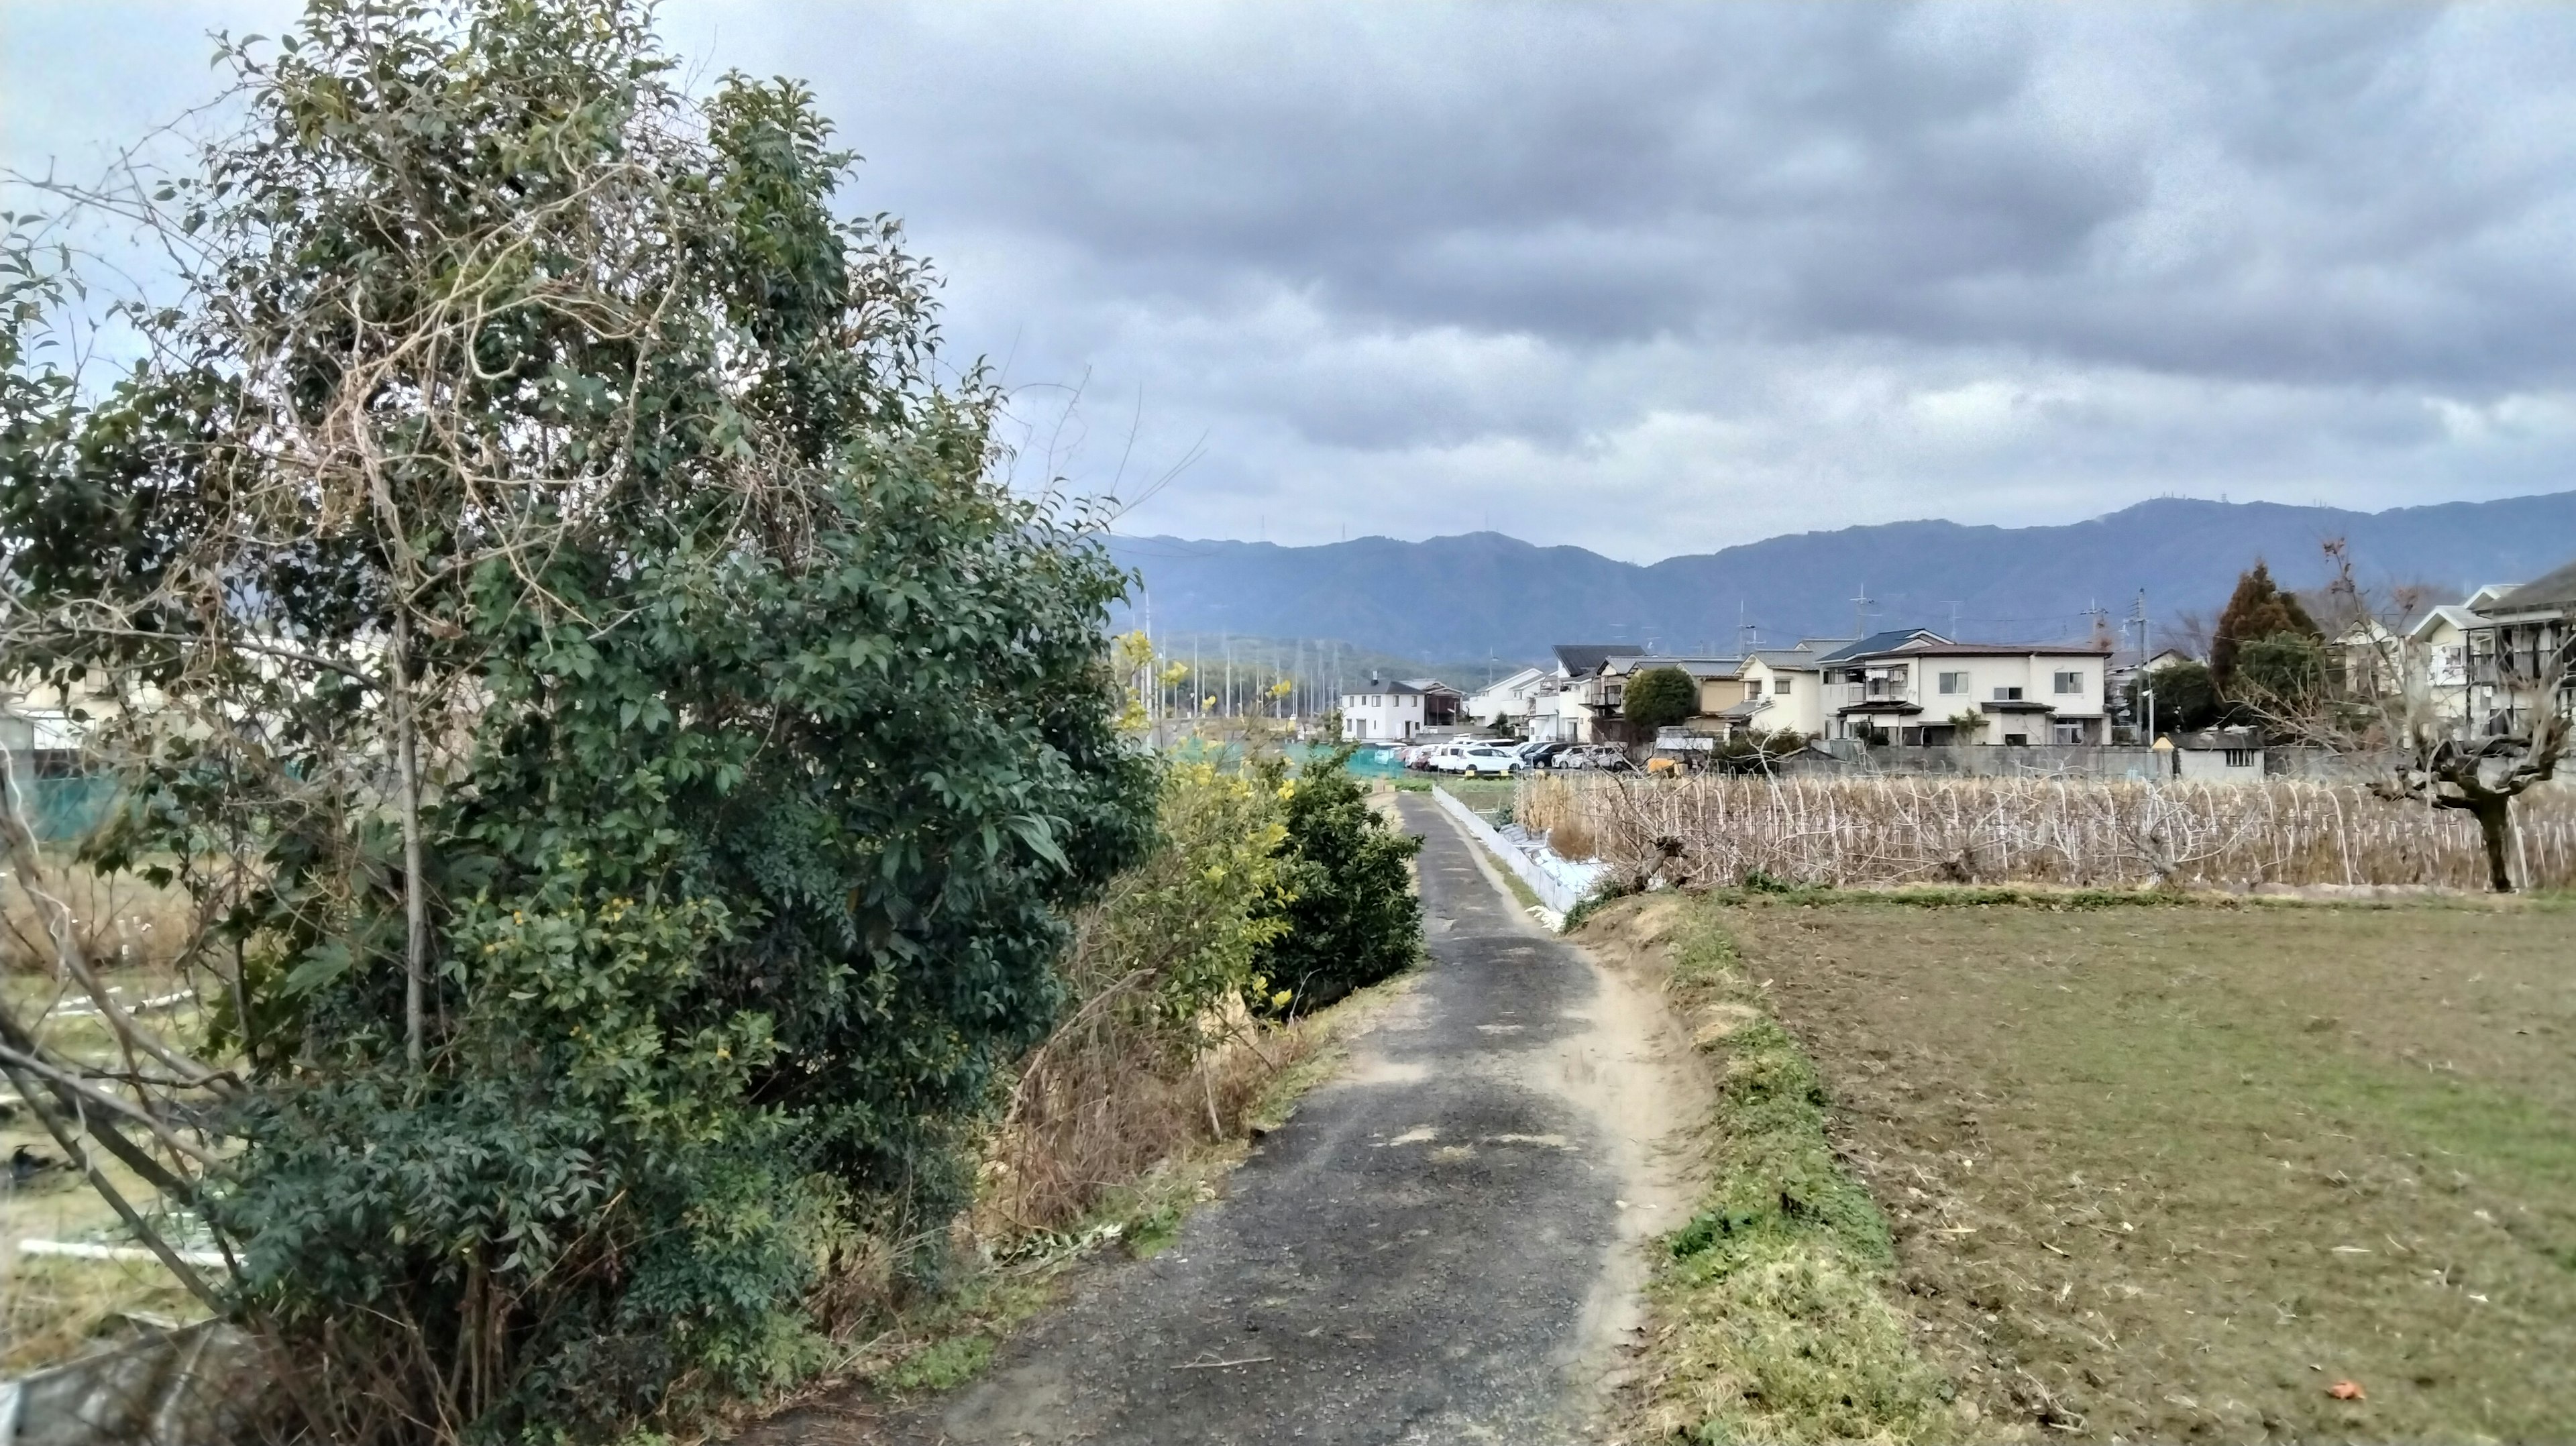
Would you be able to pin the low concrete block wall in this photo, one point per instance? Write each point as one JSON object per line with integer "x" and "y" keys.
{"x": 1552, "y": 894}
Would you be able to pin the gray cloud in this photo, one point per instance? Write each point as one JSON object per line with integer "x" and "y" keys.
{"x": 1656, "y": 278}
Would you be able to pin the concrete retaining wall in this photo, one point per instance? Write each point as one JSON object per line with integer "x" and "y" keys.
{"x": 1551, "y": 893}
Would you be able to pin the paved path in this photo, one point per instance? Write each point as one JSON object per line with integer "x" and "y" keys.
{"x": 1441, "y": 1246}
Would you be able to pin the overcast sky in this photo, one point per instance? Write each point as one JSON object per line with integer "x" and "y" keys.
{"x": 1657, "y": 279}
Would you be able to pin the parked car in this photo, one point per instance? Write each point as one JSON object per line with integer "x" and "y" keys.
{"x": 1478, "y": 760}
{"x": 1609, "y": 757}
{"x": 1542, "y": 754}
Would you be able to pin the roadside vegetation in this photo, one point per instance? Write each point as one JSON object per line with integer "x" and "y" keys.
{"x": 1770, "y": 1317}
{"x": 639, "y": 807}
{"x": 2284, "y": 1170}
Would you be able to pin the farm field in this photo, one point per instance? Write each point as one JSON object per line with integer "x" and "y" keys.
{"x": 2174, "y": 1172}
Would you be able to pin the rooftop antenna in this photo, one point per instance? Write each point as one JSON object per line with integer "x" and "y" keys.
{"x": 1860, "y": 611}
{"x": 1954, "y": 620}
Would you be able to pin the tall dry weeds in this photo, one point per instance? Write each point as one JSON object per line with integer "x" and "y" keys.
{"x": 2080, "y": 832}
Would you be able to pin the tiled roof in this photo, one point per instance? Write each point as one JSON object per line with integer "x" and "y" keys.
{"x": 1994, "y": 650}
{"x": 2550, "y": 590}
{"x": 1880, "y": 643}
{"x": 1583, "y": 659}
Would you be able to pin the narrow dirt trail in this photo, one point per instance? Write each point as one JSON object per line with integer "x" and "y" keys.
{"x": 1444, "y": 1244}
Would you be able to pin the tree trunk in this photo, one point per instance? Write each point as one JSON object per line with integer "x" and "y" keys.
{"x": 2495, "y": 821}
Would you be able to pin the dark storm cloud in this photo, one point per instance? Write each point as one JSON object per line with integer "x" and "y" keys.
{"x": 1716, "y": 270}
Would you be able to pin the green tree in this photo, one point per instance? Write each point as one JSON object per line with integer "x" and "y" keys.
{"x": 2258, "y": 609}
{"x": 635, "y": 758}
{"x": 1353, "y": 918}
{"x": 2186, "y": 698}
{"x": 1659, "y": 698}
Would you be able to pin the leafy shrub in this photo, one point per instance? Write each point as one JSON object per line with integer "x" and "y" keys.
{"x": 1353, "y": 919}
{"x": 1158, "y": 974}
{"x": 640, "y": 757}
{"x": 1659, "y": 698}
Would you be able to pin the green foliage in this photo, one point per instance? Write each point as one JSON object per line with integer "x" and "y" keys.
{"x": 1777, "y": 1330}
{"x": 2186, "y": 698}
{"x": 1186, "y": 931}
{"x": 1354, "y": 919}
{"x": 1659, "y": 698}
{"x": 2258, "y": 609}
{"x": 530, "y": 414}
{"x": 2282, "y": 670}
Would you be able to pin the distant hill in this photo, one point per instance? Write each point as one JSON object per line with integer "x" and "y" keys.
{"x": 1486, "y": 594}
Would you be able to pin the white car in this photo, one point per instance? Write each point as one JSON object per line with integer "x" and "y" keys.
{"x": 1478, "y": 759}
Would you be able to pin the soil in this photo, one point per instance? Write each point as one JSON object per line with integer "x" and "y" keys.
{"x": 2178, "y": 1173}
{"x": 1445, "y": 1244}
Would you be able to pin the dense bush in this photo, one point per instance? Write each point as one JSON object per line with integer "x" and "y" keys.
{"x": 1353, "y": 919}
{"x": 636, "y": 757}
{"x": 2186, "y": 698}
{"x": 1659, "y": 698}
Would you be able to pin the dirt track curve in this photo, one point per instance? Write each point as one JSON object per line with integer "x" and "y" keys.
{"x": 1442, "y": 1246}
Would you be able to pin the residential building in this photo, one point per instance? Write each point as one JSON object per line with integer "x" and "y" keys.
{"x": 1927, "y": 690}
{"x": 1506, "y": 700}
{"x": 1393, "y": 712}
{"x": 1720, "y": 684}
{"x": 1568, "y": 706}
{"x": 2523, "y": 638}
{"x": 1784, "y": 688}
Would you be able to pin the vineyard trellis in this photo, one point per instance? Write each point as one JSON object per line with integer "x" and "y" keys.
{"x": 2066, "y": 831}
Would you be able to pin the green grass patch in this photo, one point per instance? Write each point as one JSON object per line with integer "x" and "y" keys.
{"x": 1771, "y": 1322}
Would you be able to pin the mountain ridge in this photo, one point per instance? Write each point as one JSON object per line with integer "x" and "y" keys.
{"x": 1479, "y": 593}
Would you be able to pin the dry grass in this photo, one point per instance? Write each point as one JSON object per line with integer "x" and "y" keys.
{"x": 118, "y": 920}
{"x": 1106, "y": 1101}
{"x": 2084, "y": 833}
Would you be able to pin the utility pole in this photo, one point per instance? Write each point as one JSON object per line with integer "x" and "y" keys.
{"x": 1954, "y": 620}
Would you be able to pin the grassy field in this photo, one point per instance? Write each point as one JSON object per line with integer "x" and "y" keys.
{"x": 2166, "y": 1173}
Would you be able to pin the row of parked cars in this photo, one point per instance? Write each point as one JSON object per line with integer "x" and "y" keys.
{"x": 1503, "y": 757}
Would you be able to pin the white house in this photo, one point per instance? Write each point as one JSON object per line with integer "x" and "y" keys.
{"x": 1930, "y": 691}
{"x": 1784, "y": 688}
{"x": 1569, "y": 705}
{"x": 1393, "y": 712}
{"x": 1507, "y": 698}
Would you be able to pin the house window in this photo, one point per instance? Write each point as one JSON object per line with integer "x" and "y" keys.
{"x": 2008, "y": 695}
{"x": 1780, "y": 687}
{"x": 2070, "y": 682}
{"x": 1954, "y": 682}
{"x": 2240, "y": 757}
{"x": 2016, "y": 740}
{"x": 1753, "y": 689}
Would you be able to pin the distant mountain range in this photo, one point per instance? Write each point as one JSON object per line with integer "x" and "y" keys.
{"x": 1486, "y": 594}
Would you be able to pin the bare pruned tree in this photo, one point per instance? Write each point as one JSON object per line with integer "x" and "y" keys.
{"x": 2372, "y": 696}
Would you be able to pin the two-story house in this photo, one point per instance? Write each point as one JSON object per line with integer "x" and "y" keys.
{"x": 1570, "y": 705}
{"x": 1719, "y": 683}
{"x": 1506, "y": 700}
{"x": 1933, "y": 691}
{"x": 2522, "y": 639}
{"x": 1784, "y": 688}
{"x": 1393, "y": 712}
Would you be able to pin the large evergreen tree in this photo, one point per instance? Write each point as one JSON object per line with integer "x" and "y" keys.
{"x": 632, "y": 754}
{"x": 2257, "y": 610}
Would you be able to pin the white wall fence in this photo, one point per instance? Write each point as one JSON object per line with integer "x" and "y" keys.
{"x": 1551, "y": 892}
